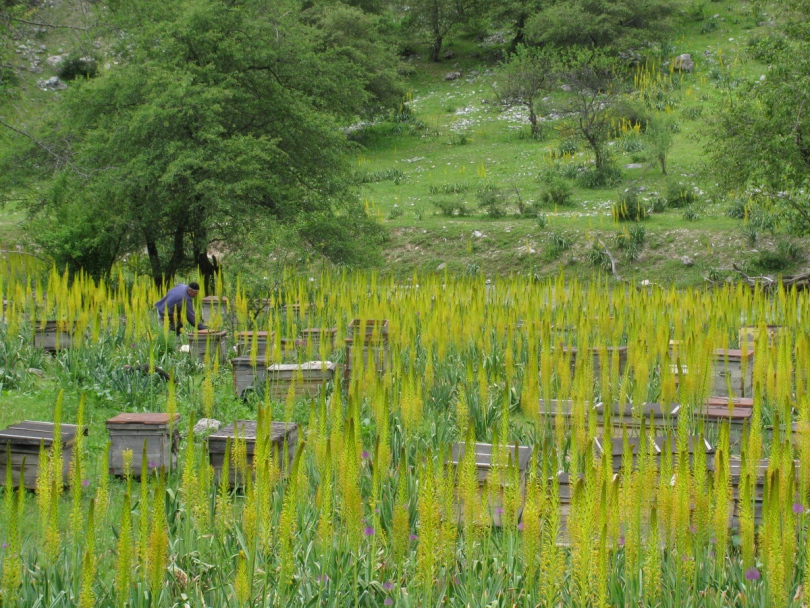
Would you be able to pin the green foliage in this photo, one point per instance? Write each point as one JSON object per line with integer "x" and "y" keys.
{"x": 523, "y": 80}
{"x": 450, "y": 207}
{"x": 767, "y": 48}
{"x": 692, "y": 112}
{"x": 556, "y": 190}
{"x": 593, "y": 177}
{"x": 629, "y": 207}
{"x": 492, "y": 199}
{"x": 75, "y": 66}
{"x": 212, "y": 124}
{"x": 631, "y": 241}
{"x": 558, "y": 242}
{"x": 598, "y": 257}
{"x": 618, "y": 24}
{"x": 383, "y": 175}
{"x": 690, "y": 213}
{"x": 679, "y": 195}
{"x": 451, "y": 188}
{"x": 658, "y": 137}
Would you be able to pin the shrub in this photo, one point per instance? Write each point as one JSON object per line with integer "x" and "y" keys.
{"x": 396, "y": 212}
{"x": 568, "y": 146}
{"x": 766, "y": 48}
{"x": 542, "y": 221}
{"x": 556, "y": 191}
{"x": 385, "y": 175}
{"x": 592, "y": 178}
{"x": 690, "y": 214}
{"x": 459, "y": 139}
{"x": 771, "y": 261}
{"x": 492, "y": 200}
{"x": 737, "y": 209}
{"x": 659, "y": 204}
{"x": 629, "y": 207}
{"x": 598, "y": 257}
{"x": 78, "y": 67}
{"x": 692, "y": 112}
{"x": 450, "y": 208}
{"x": 454, "y": 188}
{"x": 680, "y": 195}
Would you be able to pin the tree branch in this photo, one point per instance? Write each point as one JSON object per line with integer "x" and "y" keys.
{"x": 612, "y": 260}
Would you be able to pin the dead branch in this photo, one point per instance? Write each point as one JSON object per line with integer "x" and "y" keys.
{"x": 612, "y": 260}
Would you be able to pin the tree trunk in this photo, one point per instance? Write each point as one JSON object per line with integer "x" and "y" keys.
{"x": 154, "y": 261}
{"x": 519, "y": 35}
{"x": 663, "y": 160}
{"x": 536, "y": 130}
{"x": 178, "y": 253}
{"x": 437, "y": 48}
{"x": 208, "y": 269}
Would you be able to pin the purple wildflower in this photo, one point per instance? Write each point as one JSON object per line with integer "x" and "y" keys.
{"x": 369, "y": 531}
{"x": 388, "y": 602}
{"x": 413, "y": 537}
{"x": 5, "y": 545}
{"x": 85, "y": 482}
{"x": 153, "y": 464}
{"x": 798, "y": 508}
{"x": 388, "y": 585}
{"x": 752, "y": 574}
{"x": 499, "y": 510}
{"x": 621, "y": 541}
{"x": 365, "y": 455}
{"x": 323, "y": 578}
{"x": 693, "y": 529}
{"x": 520, "y": 526}
{"x": 713, "y": 540}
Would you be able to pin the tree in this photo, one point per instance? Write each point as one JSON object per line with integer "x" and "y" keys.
{"x": 589, "y": 110}
{"x": 515, "y": 14}
{"x": 619, "y": 24}
{"x": 224, "y": 117}
{"x": 759, "y": 142}
{"x": 524, "y": 80}
{"x": 659, "y": 139}
{"x": 439, "y": 17}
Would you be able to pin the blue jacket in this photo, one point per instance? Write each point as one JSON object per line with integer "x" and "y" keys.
{"x": 172, "y": 304}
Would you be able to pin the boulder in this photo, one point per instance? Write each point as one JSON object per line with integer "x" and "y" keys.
{"x": 687, "y": 261}
{"x": 206, "y": 426}
{"x": 52, "y": 84}
{"x": 55, "y": 60}
{"x": 448, "y": 55}
{"x": 452, "y": 76}
{"x": 684, "y": 63}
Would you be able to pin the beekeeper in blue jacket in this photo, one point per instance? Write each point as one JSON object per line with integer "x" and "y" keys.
{"x": 179, "y": 297}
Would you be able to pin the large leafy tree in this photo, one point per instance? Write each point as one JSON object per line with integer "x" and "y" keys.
{"x": 760, "y": 138}
{"x": 438, "y": 18}
{"x": 618, "y": 24}
{"x": 225, "y": 116}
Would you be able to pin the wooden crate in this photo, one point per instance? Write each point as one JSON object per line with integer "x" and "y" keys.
{"x": 520, "y": 455}
{"x": 264, "y": 341}
{"x": 129, "y": 431}
{"x": 749, "y": 335}
{"x": 208, "y": 342}
{"x": 283, "y": 436}
{"x": 369, "y": 330}
{"x": 629, "y": 415}
{"x": 309, "y": 340}
{"x": 310, "y": 378}
{"x": 378, "y": 355}
{"x": 213, "y": 306}
{"x": 24, "y": 439}
{"x": 658, "y": 445}
{"x": 726, "y": 367}
{"x": 246, "y": 375}
{"x": 56, "y": 335}
{"x": 573, "y": 352}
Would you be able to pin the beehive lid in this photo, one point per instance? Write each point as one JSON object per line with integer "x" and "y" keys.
{"x": 693, "y": 443}
{"x": 733, "y": 353}
{"x": 305, "y": 367}
{"x": 156, "y": 419}
{"x": 483, "y": 454}
{"x": 616, "y": 446}
{"x": 745, "y": 402}
{"x": 245, "y": 362}
{"x": 318, "y": 331}
{"x": 243, "y": 335}
{"x": 628, "y": 410}
{"x": 29, "y": 432}
{"x": 719, "y": 412}
{"x": 247, "y": 431}
{"x": 215, "y": 299}
{"x": 203, "y": 334}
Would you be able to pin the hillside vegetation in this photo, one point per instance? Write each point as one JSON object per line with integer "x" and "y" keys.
{"x": 442, "y": 155}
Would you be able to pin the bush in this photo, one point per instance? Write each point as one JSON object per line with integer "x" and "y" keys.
{"x": 556, "y": 191}
{"x": 690, "y": 214}
{"x": 591, "y": 178}
{"x": 557, "y": 243}
{"x": 568, "y": 146}
{"x": 771, "y": 261}
{"x": 737, "y": 209}
{"x": 386, "y": 175}
{"x": 598, "y": 257}
{"x": 766, "y": 48}
{"x": 492, "y": 200}
{"x": 454, "y": 188}
{"x": 629, "y": 207}
{"x": 396, "y": 212}
{"x": 450, "y": 208}
{"x": 75, "y": 67}
{"x": 631, "y": 241}
{"x": 692, "y": 112}
{"x": 659, "y": 204}
{"x": 542, "y": 221}
{"x": 680, "y": 195}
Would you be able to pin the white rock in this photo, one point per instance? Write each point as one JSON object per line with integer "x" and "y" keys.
{"x": 687, "y": 261}
{"x": 206, "y": 425}
{"x": 477, "y": 234}
{"x": 441, "y": 266}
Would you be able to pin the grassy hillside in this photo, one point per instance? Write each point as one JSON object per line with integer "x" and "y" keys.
{"x": 451, "y": 140}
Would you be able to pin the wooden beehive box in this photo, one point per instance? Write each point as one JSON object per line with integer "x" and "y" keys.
{"x": 264, "y": 340}
{"x": 310, "y": 378}
{"x": 246, "y": 374}
{"x": 728, "y": 367}
{"x": 369, "y": 330}
{"x": 376, "y": 354}
{"x": 630, "y": 416}
{"x": 573, "y": 352}
{"x": 56, "y": 335}
{"x": 658, "y": 444}
{"x": 519, "y": 455}
{"x": 24, "y": 441}
{"x": 283, "y": 436}
{"x": 213, "y": 306}
{"x": 207, "y": 343}
{"x": 750, "y": 334}
{"x": 310, "y": 339}
{"x": 129, "y": 431}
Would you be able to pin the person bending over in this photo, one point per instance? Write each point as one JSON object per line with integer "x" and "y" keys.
{"x": 172, "y": 305}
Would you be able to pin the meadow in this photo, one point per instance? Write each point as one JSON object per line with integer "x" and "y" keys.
{"x": 482, "y": 460}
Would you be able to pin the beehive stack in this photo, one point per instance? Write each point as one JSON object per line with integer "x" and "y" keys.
{"x": 308, "y": 378}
